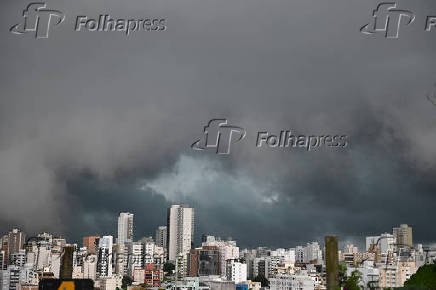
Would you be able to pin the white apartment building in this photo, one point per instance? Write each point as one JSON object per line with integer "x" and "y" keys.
{"x": 287, "y": 254}
{"x": 121, "y": 256}
{"x": 3, "y": 259}
{"x": 350, "y": 249}
{"x": 299, "y": 254}
{"x": 89, "y": 268}
{"x": 104, "y": 263}
{"x": 136, "y": 257}
{"x": 312, "y": 252}
{"x": 159, "y": 255}
{"x": 180, "y": 230}
{"x": 139, "y": 275}
{"x": 77, "y": 272}
{"x": 4, "y": 279}
{"x": 110, "y": 283}
{"x": 236, "y": 271}
{"x": 149, "y": 252}
{"x": 55, "y": 263}
{"x": 386, "y": 242}
{"x": 39, "y": 255}
{"x": 125, "y": 228}
{"x": 274, "y": 263}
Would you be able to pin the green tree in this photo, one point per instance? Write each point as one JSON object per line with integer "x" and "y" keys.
{"x": 169, "y": 268}
{"x": 352, "y": 282}
{"x": 262, "y": 279}
{"x": 342, "y": 270}
{"x": 424, "y": 278}
{"x": 127, "y": 281}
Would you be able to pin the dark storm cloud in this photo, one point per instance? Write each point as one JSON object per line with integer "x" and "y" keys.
{"x": 97, "y": 204}
{"x": 97, "y": 123}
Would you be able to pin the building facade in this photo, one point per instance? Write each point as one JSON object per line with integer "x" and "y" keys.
{"x": 403, "y": 236}
{"x": 180, "y": 229}
{"x": 161, "y": 237}
{"x": 104, "y": 263}
{"x": 125, "y": 228}
{"x": 204, "y": 261}
{"x": 91, "y": 243}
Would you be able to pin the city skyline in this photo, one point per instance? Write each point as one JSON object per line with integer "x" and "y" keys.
{"x": 388, "y": 259}
{"x": 361, "y": 241}
{"x": 386, "y": 241}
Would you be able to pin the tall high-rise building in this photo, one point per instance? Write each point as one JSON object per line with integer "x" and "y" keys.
{"x": 403, "y": 236}
{"x": 180, "y": 234}
{"x": 125, "y": 228}
{"x": 161, "y": 237}
{"x": 104, "y": 259}
{"x": 4, "y": 249}
{"x": 3, "y": 261}
{"x": 15, "y": 241}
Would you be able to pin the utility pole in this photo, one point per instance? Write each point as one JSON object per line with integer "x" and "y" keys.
{"x": 332, "y": 262}
{"x": 66, "y": 271}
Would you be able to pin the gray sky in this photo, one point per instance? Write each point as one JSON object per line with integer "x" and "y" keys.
{"x": 94, "y": 123}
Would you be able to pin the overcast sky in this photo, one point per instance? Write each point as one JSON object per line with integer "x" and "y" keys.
{"x": 94, "y": 123}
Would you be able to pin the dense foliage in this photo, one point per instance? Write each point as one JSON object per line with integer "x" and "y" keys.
{"x": 424, "y": 278}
